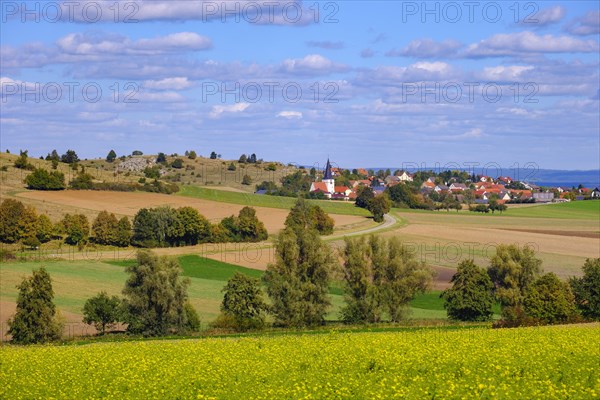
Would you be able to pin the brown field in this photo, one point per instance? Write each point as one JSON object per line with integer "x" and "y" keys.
{"x": 128, "y": 203}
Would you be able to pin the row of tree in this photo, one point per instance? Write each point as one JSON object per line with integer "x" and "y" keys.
{"x": 155, "y": 302}
{"x": 152, "y": 227}
{"x": 514, "y": 279}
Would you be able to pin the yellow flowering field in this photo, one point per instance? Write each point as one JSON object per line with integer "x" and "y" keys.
{"x": 527, "y": 363}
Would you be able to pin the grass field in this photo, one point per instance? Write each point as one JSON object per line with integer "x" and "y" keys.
{"x": 249, "y": 199}
{"x": 76, "y": 281}
{"x": 534, "y": 363}
{"x": 589, "y": 209}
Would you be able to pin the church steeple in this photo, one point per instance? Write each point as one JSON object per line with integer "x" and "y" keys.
{"x": 328, "y": 174}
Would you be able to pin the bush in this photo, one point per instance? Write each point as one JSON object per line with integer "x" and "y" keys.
{"x": 82, "y": 182}
{"x": 246, "y": 180}
{"x": 177, "y": 163}
{"x": 40, "y": 179}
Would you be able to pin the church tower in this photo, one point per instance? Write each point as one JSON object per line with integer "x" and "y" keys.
{"x": 328, "y": 178}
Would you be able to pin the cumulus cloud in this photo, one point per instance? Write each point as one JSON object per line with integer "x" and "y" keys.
{"x": 426, "y": 48}
{"x": 589, "y": 24}
{"x": 523, "y": 43}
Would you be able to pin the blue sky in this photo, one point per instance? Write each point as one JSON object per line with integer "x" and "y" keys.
{"x": 367, "y": 83}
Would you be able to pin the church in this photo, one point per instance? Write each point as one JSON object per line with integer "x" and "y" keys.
{"x": 328, "y": 188}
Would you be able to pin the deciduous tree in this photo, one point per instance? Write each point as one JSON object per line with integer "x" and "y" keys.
{"x": 470, "y": 298}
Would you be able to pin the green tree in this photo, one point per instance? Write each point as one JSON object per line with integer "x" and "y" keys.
{"x": 231, "y": 167}
{"x": 35, "y": 320}
{"x": 243, "y": 159}
{"x": 251, "y": 229}
{"x": 379, "y": 206}
{"x": 161, "y": 158}
{"x": 123, "y": 233}
{"x": 321, "y": 221}
{"x": 70, "y": 157}
{"x": 104, "y": 228}
{"x": 177, "y": 163}
{"x": 360, "y": 293}
{"x": 157, "y": 227}
{"x": 82, "y": 181}
{"x": 243, "y": 303}
{"x": 40, "y": 179}
{"x": 213, "y": 155}
{"x": 53, "y": 156}
{"x": 102, "y": 311}
{"x": 76, "y": 227}
{"x": 195, "y": 226}
{"x": 137, "y": 153}
{"x": 513, "y": 270}
{"x": 364, "y": 196}
{"x": 22, "y": 162}
{"x": 192, "y": 155}
{"x": 549, "y": 300}
{"x": 587, "y": 289}
{"x": 470, "y": 298}
{"x": 298, "y": 281}
{"x": 306, "y": 216}
{"x": 44, "y": 229}
{"x": 111, "y": 156}
{"x": 398, "y": 275}
{"x": 156, "y": 297}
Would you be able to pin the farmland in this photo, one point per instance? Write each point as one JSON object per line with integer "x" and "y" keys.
{"x": 74, "y": 282}
{"x": 536, "y": 363}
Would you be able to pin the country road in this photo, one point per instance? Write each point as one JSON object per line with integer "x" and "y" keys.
{"x": 389, "y": 220}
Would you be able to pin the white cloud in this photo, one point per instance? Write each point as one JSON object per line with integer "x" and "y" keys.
{"x": 290, "y": 114}
{"x": 218, "y": 111}
{"x": 509, "y": 44}
{"x": 505, "y": 73}
{"x": 177, "y": 83}
{"x": 310, "y": 63}
{"x": 97, "y": 44}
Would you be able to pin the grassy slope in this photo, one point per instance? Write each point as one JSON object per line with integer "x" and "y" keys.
{"x": 75, "y": 281}
{"x": 249, "y": 199}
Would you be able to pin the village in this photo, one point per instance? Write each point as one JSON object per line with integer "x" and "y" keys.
{"x": 477, "y": 189}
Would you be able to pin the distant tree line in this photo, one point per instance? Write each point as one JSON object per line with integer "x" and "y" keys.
{"x": 152, "y": 227}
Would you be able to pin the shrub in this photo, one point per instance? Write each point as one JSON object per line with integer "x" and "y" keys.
{"x": 40, "y": 179}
